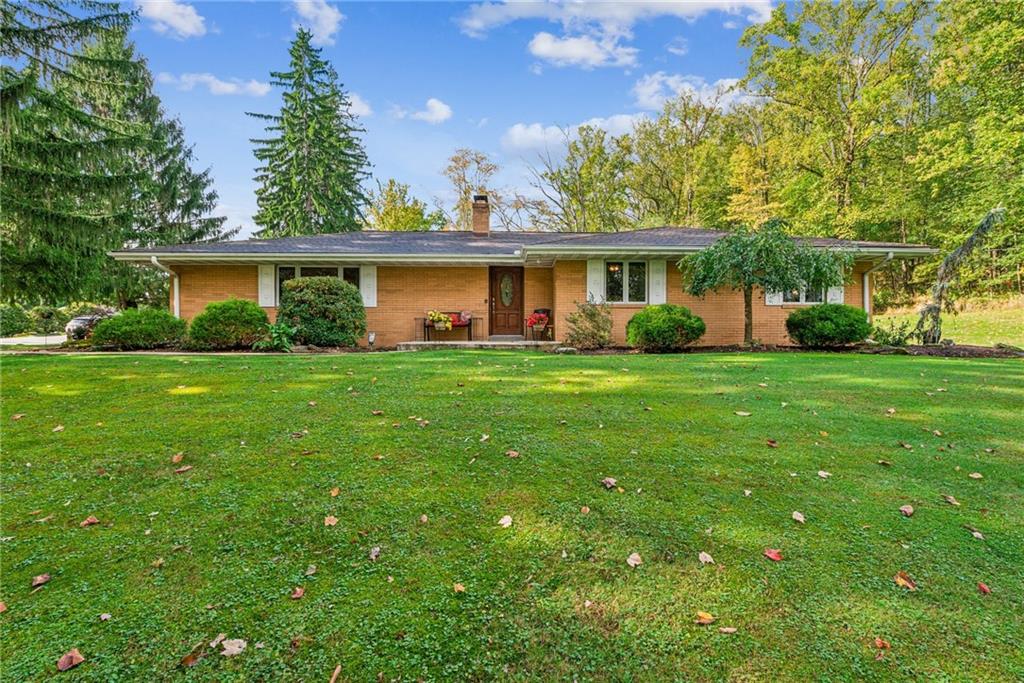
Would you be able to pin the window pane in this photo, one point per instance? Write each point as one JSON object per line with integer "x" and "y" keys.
{"x": 319, "y": 271}
{"x": 613, "y": 281}
{"x": 350, "y": 275}
{"x": 812, "y": 297}
{"x": 792, "y": 296}
{"x": 637, "y": 281}
{"x": 283, "y": 273}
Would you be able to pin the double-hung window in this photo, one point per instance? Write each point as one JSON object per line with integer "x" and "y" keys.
{"x": 803, "y": 296}
{"x": 625, "y": 282}
{"x": 349, "y": 274}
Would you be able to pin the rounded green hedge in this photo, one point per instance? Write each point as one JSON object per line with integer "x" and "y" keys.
{"x": 326, "y": 311}
{"x": 231, "y": 324}
{"x": 13, "y": 320}
{"x": 826, "y": 325}
{"x": 139, "y": 329}
{"x": 664, "y": 328}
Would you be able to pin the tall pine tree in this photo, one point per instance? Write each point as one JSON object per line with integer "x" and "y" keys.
{"x": 312, "y": 163}
{"x": 57, "y": 153}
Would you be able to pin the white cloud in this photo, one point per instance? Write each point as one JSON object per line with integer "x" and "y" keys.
{"x": 678, "y": 46}
{"x": 322, "y": 20}
{"x": 653, "y": 90}
{"x": 435, "y": 112}
{"x": 524, "y": 138}
{"x": 178, "y": 19}
{"x": 583, "y": 51}
{"x": 359, "y": 106}
{"x": 216, "y": 86}
{"x": 730, "y": 24}
{"x": 612, "y": 16}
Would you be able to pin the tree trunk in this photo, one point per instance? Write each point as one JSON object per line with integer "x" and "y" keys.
{"x": 748, "y": 316}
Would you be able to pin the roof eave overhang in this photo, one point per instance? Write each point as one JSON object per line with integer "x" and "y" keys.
{"x": 289, "y": 258}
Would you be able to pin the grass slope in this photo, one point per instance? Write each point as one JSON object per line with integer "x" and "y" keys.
{"x": 551, "y": 597}
{"x": 984, "y": 325}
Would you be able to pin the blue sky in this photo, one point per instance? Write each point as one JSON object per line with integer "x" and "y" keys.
{"x": 431, "y": 77}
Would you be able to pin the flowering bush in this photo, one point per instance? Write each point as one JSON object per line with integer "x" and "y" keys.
{"x": 537, "y": 320}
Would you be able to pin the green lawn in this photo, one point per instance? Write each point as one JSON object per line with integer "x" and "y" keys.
{"x": 177, "y": 559}
{"x": 983, "y": 326}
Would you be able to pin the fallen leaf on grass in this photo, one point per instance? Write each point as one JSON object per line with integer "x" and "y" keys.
{"x": 882, "y": 644}
{"x": 217, "y": 641}
{"x": 983, "y": 589}
{"x": 335, "y": 491}
{"x": 424, "y": 519}
{"x": 885, "y": 463}
{"x": 297, "y": 593}
{"x": 177, "y": 457}
{"x": 312, "y": 404}
{"x": 890, "y": 411}
{"x": 975, "y": 475}
{"x": 747, "y": 492}
{"x": 70, "y": 659}
{"x": 330, "y": 520}
{"x": 798, "y": 517}
{"x": 743, "y": 413}
{"x": 88, "y": 521}
{"x": 374, "y": 553}
{"x": 183, "y": 469}
{"x": 705, "y": 618}
{"x": 459, "y": 588}
{"x": 3, "y": 607}
{"x": 512, "y": 454}
{"x": 951, "y": 500}
{"x": 609, "y": 482}
{"x": 634, "y": 560}
{"x": 727, "y": 629}
{"x": 705, "y": 558}
{"x": 157, "y": 563}
{"x": 337, "y": 672}
{"x": 59, "y": 428}
{"x": 104, "y": 617}
{"x": 485, "y": 438}
{"x": 585, "y": 510}
{"x": 906, "y": 445}
{"x": 907, "y": 510}
{"x": 823, "y": 474}
{"x": 903, "y": 580}
{"x": 505, "y": 522}
{"x": 233, "y": 647}
{"x": 772, "y": 443}
{"x": 773, "y": 554}
{"x": 376, "y": 412}
{"x": 40, "y": 580}
{"x": 17, "y": 416}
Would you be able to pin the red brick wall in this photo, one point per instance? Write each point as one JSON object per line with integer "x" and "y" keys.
{"x": 722, "y": 312}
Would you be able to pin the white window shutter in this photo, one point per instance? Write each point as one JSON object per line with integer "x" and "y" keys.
{"x": 773, "y": 298}
{"x": 656, "y": 282}
{"x": 267, "y": 286}
{"x": 835, "y": 294}
{"x": 595, "y": 280}
{"x": 368, "y": 285}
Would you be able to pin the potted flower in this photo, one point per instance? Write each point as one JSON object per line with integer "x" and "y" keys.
{"x": 441, "y": 320}
{"x": 538, "y": 321}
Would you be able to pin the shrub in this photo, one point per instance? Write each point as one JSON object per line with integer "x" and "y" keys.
{"x": 278, "y": 338}
{"x": 828, "y": 325}
{"x": 140, "y": 328}
{"x": 589, "y": 326}
{"x": 13, "y": 320}
{"x": 893, "y": 334}
{"x": 231, "y": 324}
{"x": 664, "y": 328}
{"x": 48, "y": 319}
{"x": 326, "y": 311}
{"x": 77, "y": 308}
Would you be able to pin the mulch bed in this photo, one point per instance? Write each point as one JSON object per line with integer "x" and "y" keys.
{"x": 955, "y": 351}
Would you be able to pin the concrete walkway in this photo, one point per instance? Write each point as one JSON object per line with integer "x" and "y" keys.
{"x": 34, "y": 340}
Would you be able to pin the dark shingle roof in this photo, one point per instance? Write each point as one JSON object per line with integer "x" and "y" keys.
{"x": 461, "y": 243}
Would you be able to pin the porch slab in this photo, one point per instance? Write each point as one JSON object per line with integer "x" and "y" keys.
{"x": 491, "y": 344}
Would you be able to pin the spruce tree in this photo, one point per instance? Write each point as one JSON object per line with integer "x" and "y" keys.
{"x": 312, "y": 163}
{"x": 57, "y": 153}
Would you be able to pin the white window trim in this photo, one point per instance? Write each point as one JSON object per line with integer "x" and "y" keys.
{"x": 625, "y": 282}
{"x": 803, "y": 299}
{"x": 777, "y": 298}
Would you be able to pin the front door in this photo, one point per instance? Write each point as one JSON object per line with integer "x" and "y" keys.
{"x": 506, "y": 300}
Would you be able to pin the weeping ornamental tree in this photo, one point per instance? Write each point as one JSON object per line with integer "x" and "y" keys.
{"x": 767, "y": 258}
{"x": 312, "y": 163}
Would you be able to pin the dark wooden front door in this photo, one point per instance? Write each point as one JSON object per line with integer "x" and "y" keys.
{"x": 506, "y": 300}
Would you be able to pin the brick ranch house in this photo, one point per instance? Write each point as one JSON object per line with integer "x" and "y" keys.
{"x": 500, "y": 277}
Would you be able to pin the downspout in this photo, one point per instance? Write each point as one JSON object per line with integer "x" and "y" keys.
{"x": 865, "y": 284}
{"x": 175, "y": 292}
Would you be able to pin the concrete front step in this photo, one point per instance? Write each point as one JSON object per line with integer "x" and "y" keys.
{"x": 491, "y": 344}
{"x": 506, "y": 337}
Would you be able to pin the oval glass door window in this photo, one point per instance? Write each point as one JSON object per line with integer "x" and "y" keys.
{"x": 506, "y": 290}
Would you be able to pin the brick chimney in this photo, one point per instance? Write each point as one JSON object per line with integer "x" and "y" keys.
{"x": 481, "y": 215}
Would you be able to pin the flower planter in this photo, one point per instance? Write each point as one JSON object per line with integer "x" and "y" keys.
{"x": 440, "y": 326}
